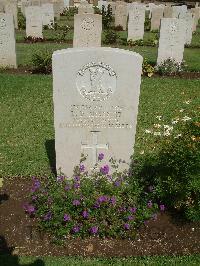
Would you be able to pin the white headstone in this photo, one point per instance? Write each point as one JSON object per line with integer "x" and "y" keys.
{"x": 189, "y": 26}
{"x": 156, "y": 16}
{"x": 136, "y": 22}
{"x": 101, "y": 4}
{"x": 87, "y": 30}
{"x": 195, "y": 13}
{"x": 85, "y": 8}
{"x": 172, "y": 40}
{"x": 34, "y": 21}
{"x": 47, "y": 14}
{"x": 179, "y": 11}
{"x": 121, "y": 13}
{"x": 7, "y": 41}
{"x": 11, "y": 8}
{"x": 96, "y": 97}
{"x": 24, "y": 4}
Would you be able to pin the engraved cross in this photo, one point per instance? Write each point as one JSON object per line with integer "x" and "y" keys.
{"x": 94, "y": 146}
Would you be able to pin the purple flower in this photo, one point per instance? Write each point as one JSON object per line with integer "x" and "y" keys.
{"x": 67, "y": 187}
{"x": 82, "y": 168}
{"x": 117, "y": 183}
{"x": 162, "y": 207}
{"x": 126, "y": 226}
{"x": 102, "y": 199}
{"x": 66, "y": 217}
{"x": 149, "y": 204}
{"x": 76, "y": 185}
{"x": 77, "y": 178}
{"x": 96, "y": 205}
{"x": 60, "y": 178}
{"x": 154, "y": 216}
{"x": 30, "y": 209}
{"x": 113, "y": 200}
{"x": 76, "y": 202}
{"x": 104, "y": 169}
{"x": 47, "y": 216}
{"x": 36, "y": 185}
{"x": 101, "y": 156}
{"x": 133, "y": 209}
{"x": 50, "y": 200}
{"x": 85, "y": 214}
{"x": 34, "y": 198}
{"x": 122, "y": 209}
{"x": 94, "y": 230}
{"x": 76, "y": 229}
{"x": 130, "y": 218}
{"x": 109, "y": 177}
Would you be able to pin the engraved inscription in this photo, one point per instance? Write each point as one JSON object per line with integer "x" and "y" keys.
{"x": 87, "y": 24}
{"x": 96, "y": 81}
{"x": 87, "y": 116}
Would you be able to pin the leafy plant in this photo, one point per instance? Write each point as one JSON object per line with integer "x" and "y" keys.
{"x": 170, "y": 67}
{"x": 110, "y": 37}
{"x": 147, "y": 69}
{"x": 42, "y": 62}
{"x": 106, "y": 17}
{"x": 132, "y": 43}
{"x": 106, "y": 202}
{"x": 174, "y": 172}
{"x": 21, "y": 21}
{"x": 31, "y": 39}
{"x": 147, "y": 24}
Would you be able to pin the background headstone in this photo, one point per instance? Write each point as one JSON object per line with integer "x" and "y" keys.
{"x": 156, "y": 16}
{"x": 85, "y": 8}
{"x": 7, "y": 41}
{"x": 47, "y": 14}
{"x": 34, "y": 21}
{"x": 11, "y": 8}
{"x": 121, "y": 14}
{"x": 96, "y": 97}
{"x": 136, "y": 20}
{"x": 172, "y": 40}
{"x": 189, "y": 26}
{"x": 87, "y": 30}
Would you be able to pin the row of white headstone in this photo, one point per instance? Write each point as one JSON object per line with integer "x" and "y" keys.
{"x": 174, "y": 33}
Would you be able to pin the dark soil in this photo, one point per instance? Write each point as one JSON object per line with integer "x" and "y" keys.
{"x": 19, "y": 236}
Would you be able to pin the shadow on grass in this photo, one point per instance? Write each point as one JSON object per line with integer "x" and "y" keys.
{"x": 8, "y": 259}
{"x": 50, "y": 149}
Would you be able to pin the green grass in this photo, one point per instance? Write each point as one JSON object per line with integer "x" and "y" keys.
{"x": 27, "y": 117}
{"x": 75, "y": 261}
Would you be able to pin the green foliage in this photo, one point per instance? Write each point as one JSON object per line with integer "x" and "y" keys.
{"x": 174, "y": 171}
{"x": 61, "y": 32}
{"x": 106, "y": 17}
{"x": 132, "y": 43}
{"x": 147, "y": 24}
{"x": 107, "y": 202}
{"x": 31, "y": 39}
{"x": 42, "y": 62}
{"x": 170, "y": 67}
{"x": 110, "y": 37}
{"x": 21, "y": 21}
{"x": 70, "y": 12}
{"x": 147, "y": 69}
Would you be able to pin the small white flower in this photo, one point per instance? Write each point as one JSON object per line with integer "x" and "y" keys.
{"x": 148, "y": 131}
{"x": 181, "y": 110}
{"x": 175, "y": 121}
{"x": 186, "y": 118}
{"x": 167, "y": 127}
{"x": 166, "y": 133}
{"x": 157, "y": 134}
{"x": 187, "y": 102}
{"x": 142, "y": 152}
{"x": 159, "y": 117}
{"x": 178, "y": 136}
{"x": 157, "y": 125}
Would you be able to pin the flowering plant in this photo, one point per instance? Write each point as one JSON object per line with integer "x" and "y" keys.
{"x": 105, "y": 202}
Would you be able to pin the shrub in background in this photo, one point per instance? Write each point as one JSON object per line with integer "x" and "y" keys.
{"x": 147, "y": 69}
{"x": 21, "y": 21}
{"x": 170, "y": 67}
{"x": 118, "y": 28}
{"x": 132, "y": 43}
{"x": 106, "y": 17}
{"x": 174, "y": 172}
{"x": 110, "y": 37}
{"x": 107, "y": 202}
{"x": 42, "y": 62}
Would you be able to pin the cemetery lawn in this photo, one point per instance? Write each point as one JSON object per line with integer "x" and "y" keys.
{"x": 27, "y": 133}
{"x": 72, "y": 261}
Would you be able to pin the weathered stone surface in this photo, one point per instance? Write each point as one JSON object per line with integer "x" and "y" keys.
{"x": 34, "y": 21}
{"x": 172, "y": 40}
{"x": 189, "y": 26}
{"x": 136, "y": 22}
{"x": 87, "y": 30}
{"x": 156, "y": 16}
{"x": 96, "y": 97}
{"x": 7, "y": 41}
{"x": 47, "y": 14}
{"x": 121, "y": 13}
